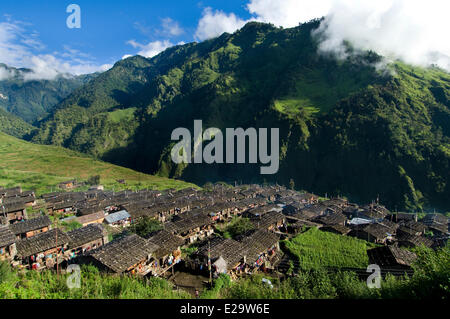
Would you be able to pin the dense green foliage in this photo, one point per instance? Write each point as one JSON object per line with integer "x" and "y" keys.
{"x": 32, "y": 100}
{"x": 93, "y": 285}
{"x": 14, "y": 125}
{"x": 237, "y": 226}
{"x": 316, "y": 249}
{"x": 145, "y": 226}
{"x": 335, "y": 116}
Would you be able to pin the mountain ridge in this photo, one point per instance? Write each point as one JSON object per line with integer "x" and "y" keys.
{"x": 335, "y": 116}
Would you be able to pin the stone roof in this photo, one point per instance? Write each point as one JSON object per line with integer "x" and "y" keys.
{"x": 391, "y": 256}
{"x": 41, "y": 242}
{"x": 268, "y": 219}
{"x": 91, "y": 217}
{"x": 411, "y": 240}
{"x": 30, "y": 225}
{"x": 337, "y": 228}
{"x": 121, "y": 254}
{"x": 12, "y": 207}
{"x": 6, "y": 236}
{"x": 85, "y": 235}
{"x": 167, "y": 243}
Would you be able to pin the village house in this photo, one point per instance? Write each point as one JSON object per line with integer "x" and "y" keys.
{"x": 373, "y": 212}
{"x": 120, "y": 218}
{"x": 401, "y": 217}
{"x": 129, "y": 254}
{"x": 7, "y": 243}
{"x": 331, "y": 218}
{"x": 336, "y": 229}
{"x": 85, "y": 239}
{"x": 10, "y": 192}
{"x": 260, "y": 248}
{"x": 391, "y": 257}
{"x": 191, "y": 226}
{"x": 42, "y": 250}
{"x": 252, "y": 253}
{"x": 271, "y": 221}
{"x": 374, "y": 233}
{"x": 95, "y": 218}
{"x": 297, "y": 226}
{"x": 26, "y": 198}
{"x": 226, "y": 256}
{"x": 31, "y": 227}
{"x": 411, "y": 241}
{"x": 437, "y": 223}
{"x": 68, "y": 185}
{"x": 412, "y": 228}
{"x": 14, "y": 213}
{"x": 61, "y": 207}
{"x": 168, "y": 253}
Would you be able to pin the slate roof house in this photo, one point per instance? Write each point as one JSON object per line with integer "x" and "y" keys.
{"x": 374, "y": 233}
{"x": 250, "y": 253}
{"x": 7, "y": 243}
{"x": 191, "y": 226}
{"x": 96, "y": 218}
{"x": 31, "y": 227}
{"x": 41, "y": 250}
{"x": 85, "y": 239}
{"x": 13, "y": 212}
{"x": 168, "y": 253}
{"x": 119, "y": 218}
{"x": 391, "y": 257}
{"x": 437, "y": 223}
{"x": 410, "y": 241}
{"x": 271, "y": 221}
{"x": 129, "y": 254}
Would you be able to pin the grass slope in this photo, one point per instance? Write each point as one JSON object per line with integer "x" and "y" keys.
{"x": 40, "y": 167}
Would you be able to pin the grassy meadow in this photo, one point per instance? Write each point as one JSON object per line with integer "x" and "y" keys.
{"x": 41, "y": 168}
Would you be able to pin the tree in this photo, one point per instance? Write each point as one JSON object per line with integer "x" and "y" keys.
{"x": 94, "y": 180}
{"x": 292, "y": 184}
{"x": 146, "y": 226}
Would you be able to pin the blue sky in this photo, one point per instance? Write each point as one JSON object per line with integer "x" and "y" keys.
{"x": 34, "y": 34}
{"x": 108, "y": 26}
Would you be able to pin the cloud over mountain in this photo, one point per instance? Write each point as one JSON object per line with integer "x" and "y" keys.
{"x": 413, "y": 30}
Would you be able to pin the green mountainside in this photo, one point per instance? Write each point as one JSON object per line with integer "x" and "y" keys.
{"x": 33, "y": 100}
{"x": 347, "y": 127}
{"x": 14, "y": 125}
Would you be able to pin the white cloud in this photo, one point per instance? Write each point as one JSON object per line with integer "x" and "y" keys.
{"x": 214, "y": 23}
{"x": 415, "y": 31}
{"x": 5, "y": 74}
{"x": 21, "y": 47}
{"x": 150, "y": 49}
{"x": 288, "y": 13}
{"x": 171, "y": 27}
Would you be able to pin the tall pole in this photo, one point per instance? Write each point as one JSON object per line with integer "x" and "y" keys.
{"x": 57, "y": 265}
{"x": 209, "y": 262}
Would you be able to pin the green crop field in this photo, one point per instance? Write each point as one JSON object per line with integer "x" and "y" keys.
{"x": 315, "y": 249}
{"x": 40, "y": 168}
